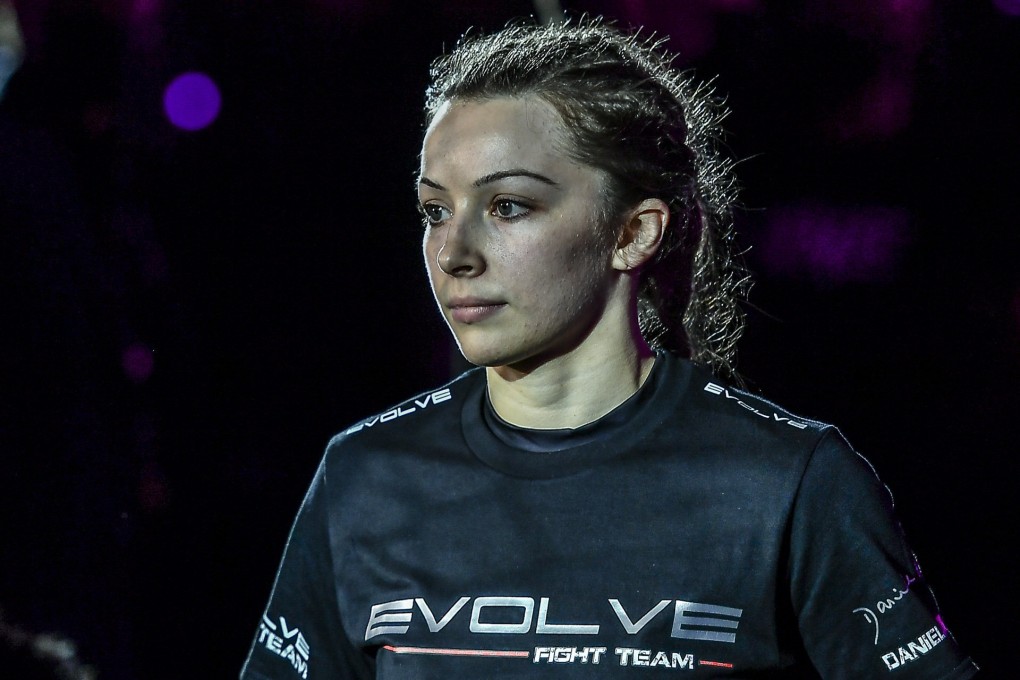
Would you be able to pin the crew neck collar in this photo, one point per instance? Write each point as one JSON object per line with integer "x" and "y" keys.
{"x": 580, "y": 448}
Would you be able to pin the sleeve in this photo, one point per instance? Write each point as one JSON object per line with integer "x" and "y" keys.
{"x": 301, "y": 635}
{"x": 862, "y": 606}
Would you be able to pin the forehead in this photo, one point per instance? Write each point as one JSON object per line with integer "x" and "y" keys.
{"x": 483, "y": 136}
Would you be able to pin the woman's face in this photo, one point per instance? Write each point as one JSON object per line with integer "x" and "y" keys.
{"x": 518, "y": 263}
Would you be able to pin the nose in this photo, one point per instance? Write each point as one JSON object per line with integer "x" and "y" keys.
{"x": 460, "y": 255}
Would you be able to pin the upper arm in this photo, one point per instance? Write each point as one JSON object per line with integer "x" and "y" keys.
{"x": 301, "y": 634}
{"x": 862, "y": 606}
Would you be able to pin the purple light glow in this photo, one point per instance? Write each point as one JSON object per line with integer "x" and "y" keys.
{"x": 835, "y": 245}
{"x": 1010, "y": 7}
{"x": 690, "y": 25}
{"x": 880, "y": 110}
{"x": 192, "y": 101}
{"x": 736, "y": 5}
{"x": 143, "y": 9}
{"x": 694, "y": 35}
{"x": 137, "y": 362}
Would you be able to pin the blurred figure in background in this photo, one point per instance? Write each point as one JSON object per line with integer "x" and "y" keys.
{"x": 29, "y": 656}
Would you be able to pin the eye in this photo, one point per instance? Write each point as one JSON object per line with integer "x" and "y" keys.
{"x": 508, "y": 209}
{"x": 434, "y": 213}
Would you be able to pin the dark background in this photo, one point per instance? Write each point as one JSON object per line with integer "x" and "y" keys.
{"x": 188, "y": 316}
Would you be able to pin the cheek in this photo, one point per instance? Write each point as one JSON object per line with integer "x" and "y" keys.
{"x": 565, "y": 275}
{"x": 581, "y": 256}
{"x": 543, "y": 251}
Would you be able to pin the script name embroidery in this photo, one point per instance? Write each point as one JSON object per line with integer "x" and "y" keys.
{"x": 884, "y": 605}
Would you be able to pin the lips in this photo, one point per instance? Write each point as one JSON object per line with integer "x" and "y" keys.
{"x": 472, "y": 310}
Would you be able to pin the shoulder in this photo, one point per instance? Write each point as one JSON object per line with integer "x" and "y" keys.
{"x": 746, "y": 407}
{"x": 366, "y": 463}
{"x": 434, "y": 408}
{"x": 817, "y": 457}
{"x": 736, "y": 415}
{"x": 729, "y": 433}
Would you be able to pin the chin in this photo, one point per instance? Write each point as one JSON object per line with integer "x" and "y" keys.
{"x": 483, "y": 357}
{"x": 523, "y": 359}
{"x": 489, "y": 353}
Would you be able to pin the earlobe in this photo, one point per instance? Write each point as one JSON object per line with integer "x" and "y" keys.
{"x": 642, "y": 235}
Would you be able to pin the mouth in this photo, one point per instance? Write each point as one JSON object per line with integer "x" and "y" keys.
{"x": 473, "y": 310}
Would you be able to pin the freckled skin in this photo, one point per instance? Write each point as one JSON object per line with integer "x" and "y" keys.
{"x": 532, "y": 249}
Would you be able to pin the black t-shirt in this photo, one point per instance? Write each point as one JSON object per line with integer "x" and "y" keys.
{"x": 714, "y": 535}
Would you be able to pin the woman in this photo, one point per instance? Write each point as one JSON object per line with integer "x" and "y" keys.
{"x": 594, "y": 501}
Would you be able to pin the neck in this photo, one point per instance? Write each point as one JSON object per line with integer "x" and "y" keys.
{"x": 570, "y": 390}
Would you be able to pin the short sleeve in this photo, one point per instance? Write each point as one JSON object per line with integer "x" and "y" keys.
{"x": 300, "y": 636}
{"x": 861, "y": 603}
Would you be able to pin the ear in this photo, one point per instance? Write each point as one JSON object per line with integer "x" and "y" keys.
{"x": 642, "y": 235}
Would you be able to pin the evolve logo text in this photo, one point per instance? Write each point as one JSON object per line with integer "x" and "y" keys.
{"x": 430, "y": 399}
{"x": 517, "y": 615}
{"x": 286, "y": 642}
{"x": 719, "y": 389}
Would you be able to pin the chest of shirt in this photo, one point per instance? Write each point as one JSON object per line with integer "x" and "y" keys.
{"x": 626, "y": 565}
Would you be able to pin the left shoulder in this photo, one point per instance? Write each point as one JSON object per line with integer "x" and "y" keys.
{"x": 756, "y": 406}
{"x": 740, "y": 411}
{"x": 763, "y": 434}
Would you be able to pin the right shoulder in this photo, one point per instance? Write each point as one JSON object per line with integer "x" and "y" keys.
{"x": 415, "y": 416}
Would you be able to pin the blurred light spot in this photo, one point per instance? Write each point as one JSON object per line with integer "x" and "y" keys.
{"x": 828, "y": 244}
{"x": 905, "y": 11}
{"x": 153, "y": 488}
{"x": 192, "y": 101}
{"x": 1010, "y": 7}
{"x": 887, "y": 105}
{"x": 880, "y": 110}
{"x": 137, "y": 362}
{"x": 737, "y": 5}
{"x": 147, "y": 26}
{"x": 143, "y": 9}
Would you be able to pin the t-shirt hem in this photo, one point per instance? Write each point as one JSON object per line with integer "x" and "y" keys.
{"x": 967, "y": 669}
{"x": 251, "y": 675}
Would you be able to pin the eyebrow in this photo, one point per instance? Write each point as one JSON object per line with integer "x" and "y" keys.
{"x": 494, "y": 177}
